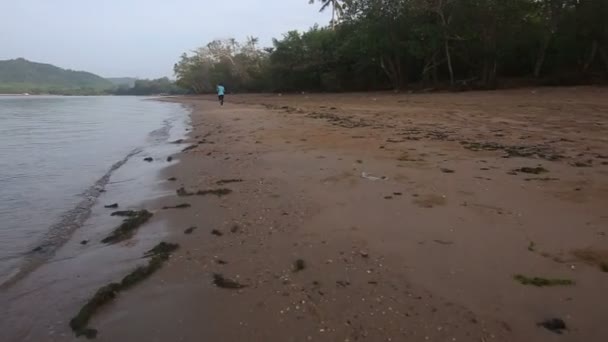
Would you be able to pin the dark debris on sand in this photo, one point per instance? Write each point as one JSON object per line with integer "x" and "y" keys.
{"x": 227, "y": 181}
{"x": 529, "y": 151}
{"x": 158, "y": 255}
{"x": 128, "y": 227}
{"x": 533, "y": 170}
{"x": 124, "y": 213}
{"x": 111, "y": 206}
{"x": 556, "y": 325}
{"x": 189, "y": 148}
{"x": 225, "y": 283}
{"x": 299, "y": 265}
{"x": 182, "y": 192}
{"x": 179, "y": 206}
{"x": 190, "y": 230}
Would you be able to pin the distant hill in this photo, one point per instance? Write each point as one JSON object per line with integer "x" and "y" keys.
{"x": 122, "y": 81}
{"x": 23, "y": 76}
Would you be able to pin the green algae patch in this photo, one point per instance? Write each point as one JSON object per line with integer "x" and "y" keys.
{"x": 128, "y": 226}
{"x": 542, "y": 282}
{"x": 157, "y": 256}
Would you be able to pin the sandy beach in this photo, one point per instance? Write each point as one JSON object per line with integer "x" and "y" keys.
{"x": 381, "y": 217}
{"x": 406, "y": 212}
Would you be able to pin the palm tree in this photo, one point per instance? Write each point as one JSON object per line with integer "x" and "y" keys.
{"x": 336, "y": 9}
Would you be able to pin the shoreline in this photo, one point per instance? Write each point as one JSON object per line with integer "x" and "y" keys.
{"x": 378, "y": 217}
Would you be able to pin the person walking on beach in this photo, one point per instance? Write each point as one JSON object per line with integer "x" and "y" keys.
{"x": 220, "y": 93}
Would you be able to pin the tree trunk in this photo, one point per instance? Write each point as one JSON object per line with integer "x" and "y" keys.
{"x": 446, "y": 42}
{"x": 604, "y": 55}
{"x": 435, "y": 73}
{"x": 392, "y": 72}
{"x": 448, "y": 55}
{"x": 488, "y": 76}
{"x": 591, "y": 56}
{"x": 540, "y": 61}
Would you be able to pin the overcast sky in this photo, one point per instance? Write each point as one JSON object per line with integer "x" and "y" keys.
{"x": 139, "y": 38}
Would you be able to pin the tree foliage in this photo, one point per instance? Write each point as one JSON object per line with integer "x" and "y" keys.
{"x": 149, "y": 87}
{"x": 394, "y": 44}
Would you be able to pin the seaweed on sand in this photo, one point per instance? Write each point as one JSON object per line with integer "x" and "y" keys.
{"x": 227, "y": 181}
{"x": 533, "y": 170}
{"x": 158, "y": 255}
{"x": 124, "y": 213}
{"x": 182, "y": 192}
{"x": 299, "y": 265}
{"x": 190, "y": 230}
{"x": 225, "y": 283}
{"x": 557, "y": 325}
{"x": 542, "y": 282}
{"x": 128, "y": 226}
{"x": 179, "y": 206}
{"x": 216, "y": 192}
{"x": 189, "y": 148}
{"x": 593, "y": 257}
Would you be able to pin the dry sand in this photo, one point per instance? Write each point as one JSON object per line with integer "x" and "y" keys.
{"x": 405, "y": 211}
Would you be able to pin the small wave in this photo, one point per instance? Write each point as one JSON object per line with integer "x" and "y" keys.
{"x": 162, "y": 134}
{"x": 60, "y": 232}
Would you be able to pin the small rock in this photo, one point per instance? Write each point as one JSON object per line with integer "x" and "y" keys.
{"x": 189, "y": 230}
{"x": 111, "y": 206}
{"x": 556, "y": 325}
{"x": 149, "y": 159}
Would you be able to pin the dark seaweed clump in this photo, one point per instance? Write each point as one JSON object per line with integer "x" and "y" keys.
{"x": 128, "y": 226}
{"x": 182, "y": 192}
{"x": 299, "y": 265}
{"x": 225, "y": 283}
{"x": 189, "y": 148}
{"x": 533, "y": 170}
{"x": 124, "y": 213}
{"x": 190, "y": 230}
{"x": 227, "y": 181}
{"x": 158, "y": 255}
{"x": 179, "y": 206}
{"x": 556, "y": 325}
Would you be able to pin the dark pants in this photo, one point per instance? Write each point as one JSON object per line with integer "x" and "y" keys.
{"x": 221, "y": 98}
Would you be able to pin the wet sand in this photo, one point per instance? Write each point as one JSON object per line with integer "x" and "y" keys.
{"x": 381, "y": 217}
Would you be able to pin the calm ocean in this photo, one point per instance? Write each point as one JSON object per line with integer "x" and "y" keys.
{"x": 57, "y": 156}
